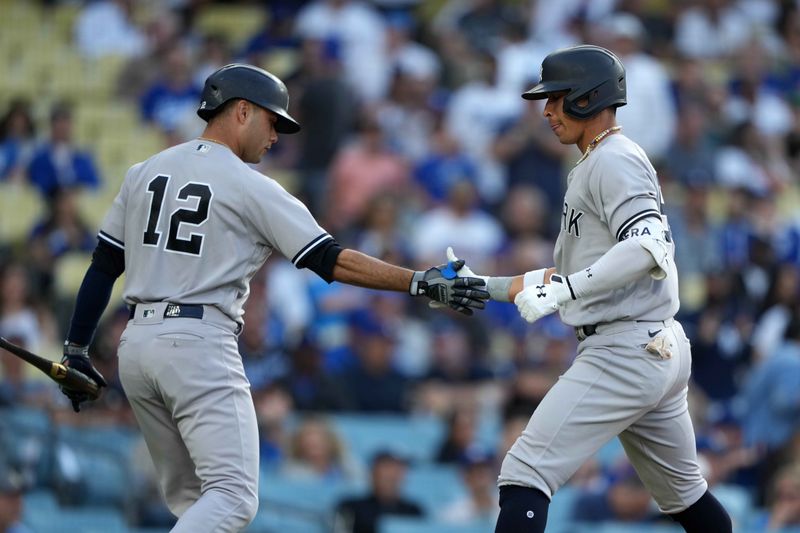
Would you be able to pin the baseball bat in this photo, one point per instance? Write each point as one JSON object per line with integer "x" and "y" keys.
{"x": 63, "y": 375}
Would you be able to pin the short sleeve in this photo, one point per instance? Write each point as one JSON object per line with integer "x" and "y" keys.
{"x": 112, "y": 230}
{"x": 624, "y": 190}
{"x": 281, "y": 220}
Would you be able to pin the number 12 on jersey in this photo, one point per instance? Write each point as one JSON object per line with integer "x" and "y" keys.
{"x": 194, "y": 217}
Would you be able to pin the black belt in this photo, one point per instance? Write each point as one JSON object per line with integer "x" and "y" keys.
{"x": 177, "y": 311}
{"x": 581, "y": 332}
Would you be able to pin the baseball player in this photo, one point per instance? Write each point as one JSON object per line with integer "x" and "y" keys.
{"x": 190, "y": 227}
{"x": 615, "y": 282}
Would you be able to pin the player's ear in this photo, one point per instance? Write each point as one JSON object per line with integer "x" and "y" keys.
{"x": 242, "y": 109}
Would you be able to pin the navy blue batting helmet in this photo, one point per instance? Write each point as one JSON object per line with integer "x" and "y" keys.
{"x": 250, "y": 83}
{"x": 587, "y": 72}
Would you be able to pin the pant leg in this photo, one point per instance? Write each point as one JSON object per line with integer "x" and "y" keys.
{"x": 174, "y": 467}
{"x": 610, "y": 385}
{"x": 661, "y": 444}
{"x": 198, "y": 374}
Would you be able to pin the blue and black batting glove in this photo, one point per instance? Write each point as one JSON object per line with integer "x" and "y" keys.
{"x": 442, "y": 284}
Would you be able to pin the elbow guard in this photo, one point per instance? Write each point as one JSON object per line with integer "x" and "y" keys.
{"x": 652, "y": 234}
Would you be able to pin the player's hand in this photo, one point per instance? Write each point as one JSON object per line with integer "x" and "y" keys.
{"x": 77, "y": 357}
{"x": 463, "y": 272}
{"x": 536, "y": 301}
{"x": 443, "y": 285}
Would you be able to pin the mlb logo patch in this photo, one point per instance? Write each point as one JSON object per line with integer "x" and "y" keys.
{"x": 203, "y": 148}
{"x": 148, "y": 313}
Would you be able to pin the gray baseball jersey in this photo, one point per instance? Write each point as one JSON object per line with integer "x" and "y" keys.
{"x": 609, "y": 192}
{"x": 196, "y": 223}
{"x": 616, "y": 387}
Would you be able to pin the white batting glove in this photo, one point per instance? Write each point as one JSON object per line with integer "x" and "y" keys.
{"x": 536, "y": 301}
{"x": 463, "y": 272}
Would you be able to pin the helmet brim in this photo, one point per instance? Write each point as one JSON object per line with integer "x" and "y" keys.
{"x": 541, "y": 90}
{"x": 286, "y": 124}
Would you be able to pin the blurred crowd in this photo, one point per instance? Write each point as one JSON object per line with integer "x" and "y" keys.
{"x": 415, "y": 138}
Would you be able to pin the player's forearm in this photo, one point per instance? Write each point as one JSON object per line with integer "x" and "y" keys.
{"x": 625, "y": 262}
{"x": 92, "y": 300}
{"x": 355, "y": 268}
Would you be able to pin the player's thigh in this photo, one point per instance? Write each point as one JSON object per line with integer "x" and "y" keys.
{"x": 209, "y": 396}
{"x": 585, "y": 409}
{"x": 174, "y": 468}
{"x": 661, "y": 447}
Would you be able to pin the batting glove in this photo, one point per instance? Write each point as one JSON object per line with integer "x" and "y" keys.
{"x": 536, "y": 301}
{"x": 441, "y": 284}
{"x": 463, "y": 272}
{"x": 77, "y": 357}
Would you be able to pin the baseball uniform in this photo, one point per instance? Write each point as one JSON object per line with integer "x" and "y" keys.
{"x": 617, "y": 385}
{"x": 195, "y": 224}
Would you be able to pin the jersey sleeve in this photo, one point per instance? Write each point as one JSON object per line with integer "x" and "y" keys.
{"x": 282, "y": 221}
{"x": 624, "y": 190}
{"x": 112, "y": 229}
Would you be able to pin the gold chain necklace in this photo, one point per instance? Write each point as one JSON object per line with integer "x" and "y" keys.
{"x": 600, "y": 136}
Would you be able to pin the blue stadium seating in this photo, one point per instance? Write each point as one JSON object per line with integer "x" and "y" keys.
{"x": 433, "y": 486}
{"x": 417, "y": 438}
{"x": 302, "y": 496}
{"x": 397, "y": 524}
{"x": 82, "y": 520}
{"x": 274, "y": 521}
{"x": 621, "y": 527}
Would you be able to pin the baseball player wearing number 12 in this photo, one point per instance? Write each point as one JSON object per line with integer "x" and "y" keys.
{"x": 615, "y": 281}
{"x": 191, "y": 226}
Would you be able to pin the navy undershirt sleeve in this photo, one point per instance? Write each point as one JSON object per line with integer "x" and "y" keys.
{"x": 108, "y": 263}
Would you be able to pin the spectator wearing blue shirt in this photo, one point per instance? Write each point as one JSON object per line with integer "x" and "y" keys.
{"x": 59, "y": 163}
{"x": 771, "y": 393}
{"x": 173, "y": 97}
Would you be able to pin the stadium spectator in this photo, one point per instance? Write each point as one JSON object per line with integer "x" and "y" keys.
{"x": 624, "y": 499}
{"x": 363, "y": 514}
{"x": 715, "y": 29}
{"x": 460, "y": 435}
{"x": 459, "y": 223}
{"x": 17, "y": 140}
{"x": 532, "y": 156}
{"x": 174, "y": 95}
{"x": 362, "y": 170}
{"x": 444, "y": 165}
{"x": 312, "y": 389}
{"x": 105, "y": 28}
{"x": 480, "y": 504}
{"x": 649, "y": 118}
{"x": 373, "y": 383}
{"x": 274, "y": 408}
{"x": 12, "y": 489}
{"x": 18, "y": 315}
{"x": 360, "y": 31}
{"x": 771, "y": 394}
{"x": 61, "y": 232}
{"x": 316, "y": 453}
{"x": 784, "y": 499}
{"x": 59, "y": 162}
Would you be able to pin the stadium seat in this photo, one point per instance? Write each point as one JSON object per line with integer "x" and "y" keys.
{"x": 69, "y": 271}
{"x": 79, "y": 520}
{"x": 235, "y": 22}
{"x": 433, "y": 485}
{"x": 737, "y": 501}
{"x": 302, "y": 496}
{"x": 39, "y": 501}
{"x": 417, "y": 438}
{"x": 272, "y": 521}
{"x": 622, "y": 527}
{"x": 397, "y": 524}
{"x": 20, "y": 207}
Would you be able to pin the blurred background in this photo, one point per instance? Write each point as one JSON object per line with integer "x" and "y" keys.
{"x": 377, "y": 414}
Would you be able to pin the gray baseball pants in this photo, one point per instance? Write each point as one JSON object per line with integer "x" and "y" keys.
{"x": 186, "y": 384}
{"x": 616, "y": 388}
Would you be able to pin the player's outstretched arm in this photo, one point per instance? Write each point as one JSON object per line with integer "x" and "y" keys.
{"x": 440, "y": 284}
